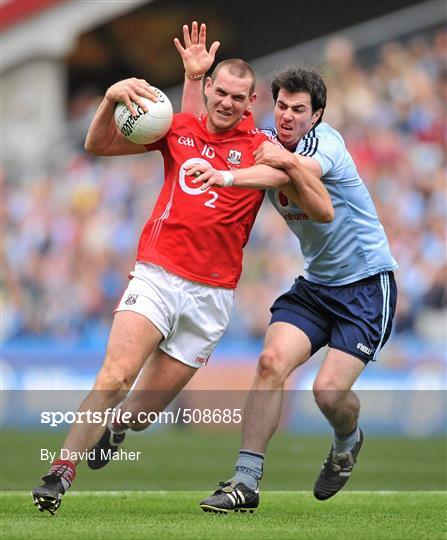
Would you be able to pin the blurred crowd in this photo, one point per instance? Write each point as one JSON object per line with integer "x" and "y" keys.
{"x": 71, "y": 227}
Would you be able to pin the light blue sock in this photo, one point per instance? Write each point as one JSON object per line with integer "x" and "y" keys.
{"x": 344, "y": 443}
{"x": 249, "y": 468}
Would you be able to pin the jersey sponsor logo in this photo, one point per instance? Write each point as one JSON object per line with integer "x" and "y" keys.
{"x": 283, "y": 204}
{"x": 364, "y": 349}
{"x": 131, "y": 299}
{"x": 197, "y": 190}
{"x": 296, "y": 217}
{"x": 283, "y": 200}
{"x": 182, "y": 176}
{"x": 187, "y": 141}
{"x": 234, "y": 157}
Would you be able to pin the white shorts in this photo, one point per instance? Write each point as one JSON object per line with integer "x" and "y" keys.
{"x": 192, "y": 317}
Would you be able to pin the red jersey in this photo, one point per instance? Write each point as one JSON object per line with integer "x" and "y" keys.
{"x": 196, "y": 234}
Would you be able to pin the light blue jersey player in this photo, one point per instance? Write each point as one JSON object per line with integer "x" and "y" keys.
{"x": 346, "y": 299}
{"x": 354, "y": 245}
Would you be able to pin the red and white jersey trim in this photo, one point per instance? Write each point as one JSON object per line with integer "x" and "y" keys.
{"x": 159, "y": 221}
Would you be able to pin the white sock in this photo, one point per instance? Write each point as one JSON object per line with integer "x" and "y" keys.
{"x": 115, "y": 426}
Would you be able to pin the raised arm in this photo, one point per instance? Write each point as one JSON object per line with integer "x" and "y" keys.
{"x": 103, "y": 137}
{"x": 197, "y": 60}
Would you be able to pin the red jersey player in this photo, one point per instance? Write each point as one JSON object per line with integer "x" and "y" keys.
{"x": 198, "y": 234}
{"x": 189, "y": 260}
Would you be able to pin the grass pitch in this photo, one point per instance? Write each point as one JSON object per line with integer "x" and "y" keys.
{"x": 282, "y": 515}
{"x": 186, "y": 460}
{"x": 185, "y": 465}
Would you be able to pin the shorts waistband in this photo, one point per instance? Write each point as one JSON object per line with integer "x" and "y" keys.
{"x": 369, "y": 279}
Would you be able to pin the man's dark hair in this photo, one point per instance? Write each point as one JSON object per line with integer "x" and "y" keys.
{"x": 238, "y": 68}
{"x": 302, "y": 80}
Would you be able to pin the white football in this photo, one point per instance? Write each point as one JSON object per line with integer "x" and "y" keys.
{"x": 145, "y": 128}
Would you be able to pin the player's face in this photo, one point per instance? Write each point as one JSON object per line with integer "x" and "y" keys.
{"x": 228, "y": 98}
{"x": 294, "y": 117}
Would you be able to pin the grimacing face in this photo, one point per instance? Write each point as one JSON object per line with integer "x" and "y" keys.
{"x": 294, "y": 117}
{"x": 228, "y": 98}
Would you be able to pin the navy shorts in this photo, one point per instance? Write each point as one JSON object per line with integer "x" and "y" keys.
{"x": 354, "y": 318}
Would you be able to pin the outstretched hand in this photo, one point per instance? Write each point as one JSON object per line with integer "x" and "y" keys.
{"x": 196, "y": 59}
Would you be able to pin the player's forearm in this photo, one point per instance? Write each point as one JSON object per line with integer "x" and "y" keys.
{"x": 102, "y": 130}
{"x": 312, "y": 195}
{"x": 192, "y": 98}
{"x": 260, "y": 177}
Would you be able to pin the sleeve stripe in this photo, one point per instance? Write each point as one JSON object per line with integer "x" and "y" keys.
{"x": 310, "y": 134}
{"x": 306, "y": 146}
{"x": 310, "y": 143}
{"x": 315, "y": 148}
{"x": 310, "y": 147}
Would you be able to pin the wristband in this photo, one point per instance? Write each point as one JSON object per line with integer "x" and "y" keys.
{"x": 194, "y": 77}
{"x": 228, "y": 178}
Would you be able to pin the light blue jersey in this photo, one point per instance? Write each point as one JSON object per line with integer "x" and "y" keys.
{"x": 354, "y": 245}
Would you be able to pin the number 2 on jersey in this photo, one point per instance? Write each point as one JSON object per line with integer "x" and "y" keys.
{"x": 210, "y": 203}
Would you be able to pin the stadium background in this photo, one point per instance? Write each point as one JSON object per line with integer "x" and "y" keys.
{"x": 71, "y": 221}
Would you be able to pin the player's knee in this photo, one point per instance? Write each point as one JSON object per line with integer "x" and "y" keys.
{"x": 114, "y": 376}
{"x": 327, "y": 397}
{"x": 271, "y": 366}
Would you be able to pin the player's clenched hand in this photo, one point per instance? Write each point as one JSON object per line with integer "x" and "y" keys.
{"x": 196, "y": 59}
{"x": 206, "y": 175}
{"x": 131, "y": 90}
{"x": 270, "y": 154}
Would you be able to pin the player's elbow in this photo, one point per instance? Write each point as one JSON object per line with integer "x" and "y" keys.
{"x": 93, "y": 148}
{"x": 325, "y": 215}
{"x": 328, "y": 214}
{"x": 90, "y": 147}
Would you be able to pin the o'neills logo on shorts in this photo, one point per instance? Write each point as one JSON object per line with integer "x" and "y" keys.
{"x": 201, "y": 361}
{"x": 131, "y": 299}
{"x": 364, "y": 349}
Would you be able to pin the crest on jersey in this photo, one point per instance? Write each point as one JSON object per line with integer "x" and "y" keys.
{"x": 131, "y": 299}
{"x": 234, "y": 157}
